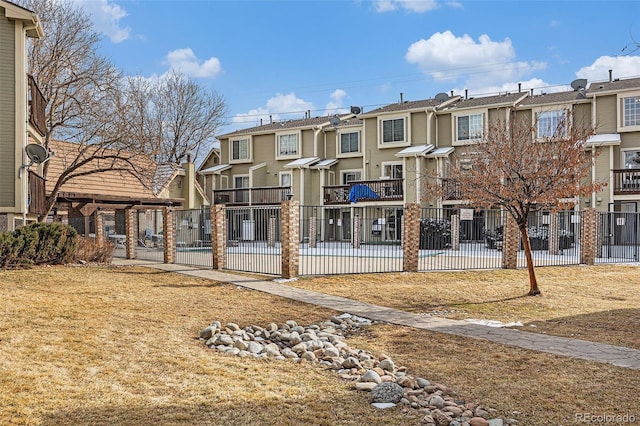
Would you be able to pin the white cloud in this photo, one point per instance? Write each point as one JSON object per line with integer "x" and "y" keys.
{"x": 417, "y": 6}
{"x": 335, "y": 105}
{"x": 276, "y": 108}
{"x": 106, "y": 18}
{"x": 187, "y": 62}
{"x": 446, "y": 57}
{"x": 622, "y": 66}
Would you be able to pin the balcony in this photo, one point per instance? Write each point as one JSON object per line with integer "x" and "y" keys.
{"x": 37, "y": 196}
{"x": 626, "y": 182}
{"x": 37, "y": 107}
{"x": 365, "y": 190}
{"x": 451, "y": 189}
{"x": 262, "y": 196}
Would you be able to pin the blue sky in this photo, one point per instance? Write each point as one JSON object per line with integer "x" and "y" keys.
{"x": 282, "y": 58}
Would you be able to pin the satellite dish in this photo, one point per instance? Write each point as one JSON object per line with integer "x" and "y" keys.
{"x": 334, "y": 121}
{"x": 579, "y": 84}
{"x": 355, "y": 110}
{"x": 441, "y": 97}
{"x": 36, "y": 153}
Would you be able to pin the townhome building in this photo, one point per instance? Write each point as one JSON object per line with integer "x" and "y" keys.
{"x": 380, "y": 159}
{"x": 22, "y": 121}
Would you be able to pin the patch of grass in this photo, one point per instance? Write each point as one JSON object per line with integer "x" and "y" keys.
{"x": 104, "y": 345}
{"x": 598, "y": 303}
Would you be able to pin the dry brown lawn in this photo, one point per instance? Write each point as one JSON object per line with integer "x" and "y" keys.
{"x": 597, "y": 303}
{"x": 105, "y": 346}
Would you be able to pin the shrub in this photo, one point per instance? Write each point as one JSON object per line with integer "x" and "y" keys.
{"x": 90, "y": 250}
{"x": 38, "y": 244}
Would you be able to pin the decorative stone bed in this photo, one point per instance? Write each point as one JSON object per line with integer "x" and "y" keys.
{"x": 389, "y": 385}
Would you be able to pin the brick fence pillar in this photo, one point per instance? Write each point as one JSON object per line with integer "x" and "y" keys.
{"x": 510, "y": 242}
{"x": 588, "y": 231}
{"x": 290, "y": 238}
{"x": 411, "y": 237}
{"x": 271, "y": 231}
{"x": 168, "y": 232}
{"x": 100, "y": 237}
{"x": 218, "y": 236}
{"x": 455, "y": 232}
{"x": 129, "y": 225}
{"x": 554, "y": 233}
{"x": 599, "y": 234}
{"x": 313, "y": 230}
{"x": 357, "y": 237}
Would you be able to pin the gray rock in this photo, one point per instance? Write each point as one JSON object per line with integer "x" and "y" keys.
{"x": 331, "y": 352}
{"x": 371, "y": 376}
{"x": 365, "y": 386}
{"x": 294, "y": 338}
{"x": 254, "y": 348}
{"x": 351, "y": 362}
{"x": 387, "y": 392}
{"x": 241, "y": 344}
{"x": 299, "y": 348}
{"x": 288, "y": 353}
{"x": 436, "y": 401}
{"x": 387, "y": 364}
{"x": 495, "y": 422}
{"x": 224, "y": 339}
{"x": 232, "y": 326}
{"x": 309, "y": 356}
{"x": 441, "y": 418}
{"x": 423, "y": 382}
{"x": 272, "y": 350}
{"x": 207, "y": 332}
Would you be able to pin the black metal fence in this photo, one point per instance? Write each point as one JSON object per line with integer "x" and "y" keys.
{"x": 253, "y": 239}
{"x": 350, "y": 240}
{"x": 554, "y": 238}
{"x": 193, "y": 237}
{"x": 148, "y": 229}
{"x": 618, "y": 236}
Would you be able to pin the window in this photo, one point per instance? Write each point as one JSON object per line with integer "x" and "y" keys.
{"x": 240, "y": 149}
{"x": 241, "y": 181}
{"x": 393, "y": 130}
{"x": 350, "y": 176}
{"x": 285, "y": 179}
{"x": 469, "y": 127}
{"x": 288, "y": 145}
{"x": 631, "y": 108}
{"x": 631, "y": 159}
{"x": 392, "y": 170}
{"x": 552, "y": 123}
{"x": 349, "y": 142}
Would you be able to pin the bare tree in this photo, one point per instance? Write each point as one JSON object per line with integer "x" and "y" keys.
{"x": 175, "y": 115}
{"x": 83, "y": 89}
{"x": 513, "y": 168}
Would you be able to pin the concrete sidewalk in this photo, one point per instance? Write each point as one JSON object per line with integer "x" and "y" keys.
{"x": 599, "y": 352}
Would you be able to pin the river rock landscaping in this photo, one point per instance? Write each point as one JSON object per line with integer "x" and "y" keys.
{"x": 389, "y": 385}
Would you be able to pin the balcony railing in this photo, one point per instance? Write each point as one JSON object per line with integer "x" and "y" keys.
{"x": 268, "y": 195}
{"x": 365, "y": 190}
{"x": 36, "y": 194}
{"x": 451, "y": 189}
{"x": 626, "y": 181}
{"x": 37, "y": 107}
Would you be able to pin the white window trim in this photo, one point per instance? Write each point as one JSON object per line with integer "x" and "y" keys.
{"x": 536, "y": 112}
{"x": 390, "y": 163}
{"x": 298, "y": 148}
{"x": 339, "y": 152}
{"x": 343, "y": 172}
{"x": 454, "y": 126}
{"x": 620, "y": 111}
{"x": 280, "y": 174}
{"x": 243, "y": 160}
{"x": 407, "y": 131}
{"x": 238, "y": 176}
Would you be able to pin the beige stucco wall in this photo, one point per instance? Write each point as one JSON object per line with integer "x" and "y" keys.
{"x": 444, "y": 130}
{"x": 606, "y": 114}
{"x": 7, "y": 114}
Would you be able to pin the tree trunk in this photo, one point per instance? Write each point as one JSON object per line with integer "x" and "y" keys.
{"x": 533, "y": 282}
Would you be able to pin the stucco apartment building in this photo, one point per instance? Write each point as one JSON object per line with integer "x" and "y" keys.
{"x": 22, "y": 122}
{"x": 380, "y": 158}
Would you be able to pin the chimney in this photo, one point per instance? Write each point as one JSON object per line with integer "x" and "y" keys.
{"x": 531, "y": 92}
{"x": 270, "y": 119}
{"x": 519, "y": 87}
{"x": 452, "y": 93}
{"x": 401, "y": 97}
{"x": 308, "y": 113}
{"x": 610, "y": 76}
{"x": 261, "y": 121}
{"x": 466, "y": 93}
